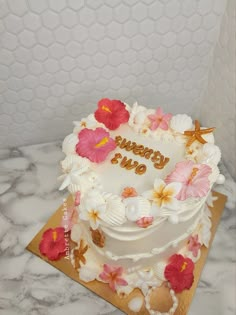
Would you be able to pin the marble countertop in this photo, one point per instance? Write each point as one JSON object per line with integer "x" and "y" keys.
{"x": 28, "y": 197}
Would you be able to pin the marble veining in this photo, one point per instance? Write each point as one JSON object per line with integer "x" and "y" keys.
{"x": 28, "y": 197}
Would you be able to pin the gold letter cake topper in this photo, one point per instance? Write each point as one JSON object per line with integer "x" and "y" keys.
{"x": 158, "y": 159}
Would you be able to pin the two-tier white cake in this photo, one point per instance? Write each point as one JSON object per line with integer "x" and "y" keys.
{"x": 140, "y": 180}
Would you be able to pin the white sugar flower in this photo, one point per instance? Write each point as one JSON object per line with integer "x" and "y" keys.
{"x": 163, "y": 195}
{"x": 192, "y": 151}
{"x": 92, "y": 208}
{"x": 88, "y": 122}
{"x": 147, "y": 279}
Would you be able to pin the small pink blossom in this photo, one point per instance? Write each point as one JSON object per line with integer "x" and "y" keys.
{"x": 69, "y": 218}
{"x": 95, "y": 144}
{"x": 193, "y": 177}
{"x": 194, "y": 245}
{"x": 144, "y": 222}
{"x": 77, "y": 198}
{"x": 112, "y": 276}
{"x": 159, "y": 120}
{"x": 129, "y": 192}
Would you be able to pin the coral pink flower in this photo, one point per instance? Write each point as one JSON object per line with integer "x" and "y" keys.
{"x": 193, "y": 177}
{"x": 69, "y": 218}
{"x": 112, "y": 113}
{"x": 95, "y": 144}
{"x": 144, "y": 222}
{"x": 179, "y": 272}
{"x": 194, "y": 245}
{"x": 129, "y": 192}
{"x": 112, "y": 276}
{"x": 53, "y": 244}
{"x": 159, "y": 119}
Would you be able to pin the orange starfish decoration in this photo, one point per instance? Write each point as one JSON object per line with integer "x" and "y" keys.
{"x": 79, "y": 254}
{"x": 197, "y": 133}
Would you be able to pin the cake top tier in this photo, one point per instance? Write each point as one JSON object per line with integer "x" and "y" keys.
{"x": 133, "y": 165}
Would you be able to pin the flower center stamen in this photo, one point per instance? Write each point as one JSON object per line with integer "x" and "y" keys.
{"x": 106, "y": 109}
{"x": 193, "y": 174}
{"x": 184, "y": 266}
{"x": 83, "y": 124}
{"x": 102, "y": 142}
{"x": 94, "y": 215}
{"x": 54, "y": 235}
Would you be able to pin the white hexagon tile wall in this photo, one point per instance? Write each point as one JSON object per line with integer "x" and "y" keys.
{"x": 59, "y": 57}
{"x": 220, "y": 95}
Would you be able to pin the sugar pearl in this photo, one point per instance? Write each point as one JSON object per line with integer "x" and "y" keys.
{"x": 220, "y": 179}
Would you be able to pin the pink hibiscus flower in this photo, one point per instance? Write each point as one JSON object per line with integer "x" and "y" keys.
{"x": 112, "y": 113}
{"x": 159, "y": 120}
{"x": 179, "y": 272}
{"x": 193, "y": 177}
{"x": 95, "y": 144}
{"x": 53, "y": 244}
{"x": 194, "y": 245}
{"x": 144, "y": 222}
{"x": 112, "y": 276}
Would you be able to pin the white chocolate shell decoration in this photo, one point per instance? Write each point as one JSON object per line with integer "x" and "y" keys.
{"x": 87, "y": 273}
{"x": 140, "y": 117}
{"x": 181, "y": 122}
{"x": 167, "y": 136}
{"x": 69, "y": 144}
{"x": 134, "y": 111}
{"x": 76, "y": 232}
{"x": 73, "y": 188}
{"x": 136, "y": 208}
{"x": 115, "y": 210}
{"x": 210, "y": 153}
{"x": 136, "y": 303}
{"x": 159, "y": 270}
{"x": 74, "y": 161}
{"x": 215, "y": 172}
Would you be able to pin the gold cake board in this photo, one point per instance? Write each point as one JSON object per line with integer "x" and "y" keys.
{"x": 162, "y": 298}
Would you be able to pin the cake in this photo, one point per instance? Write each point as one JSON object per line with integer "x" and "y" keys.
{"x": 141, "y": 180}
